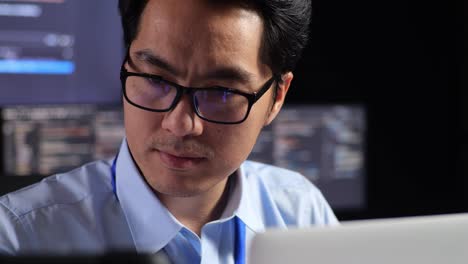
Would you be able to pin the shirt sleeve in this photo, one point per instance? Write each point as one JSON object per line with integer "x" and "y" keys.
{"x": 325, "y": 213}
{"x": 11, "y": 232}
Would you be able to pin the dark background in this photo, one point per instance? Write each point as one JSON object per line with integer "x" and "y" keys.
{"x": 403, "y": 60}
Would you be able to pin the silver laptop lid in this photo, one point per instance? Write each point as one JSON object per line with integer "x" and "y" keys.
{"x": 437, "y": 239}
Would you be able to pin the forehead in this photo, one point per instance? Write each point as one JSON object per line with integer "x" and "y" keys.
{"x": 184, "y": 30}
{"x": 190, "y": 15}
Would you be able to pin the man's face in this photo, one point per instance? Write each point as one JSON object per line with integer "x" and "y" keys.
{"x": 194, "y": 44}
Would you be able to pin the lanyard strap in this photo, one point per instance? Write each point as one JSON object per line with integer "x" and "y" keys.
{"x": 113, "y": 175}
{"x": 239, "y": 256}
{"x": 239, "y": 246}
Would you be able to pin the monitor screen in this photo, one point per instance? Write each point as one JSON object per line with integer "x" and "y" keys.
{"x": 326, "y": 143}
{"x": 43, "y": 140}
{"x": 59, "y": 51}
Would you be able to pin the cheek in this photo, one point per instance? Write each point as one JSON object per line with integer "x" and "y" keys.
{"x": 139, "y": 125}
{"x": 235, "y": 143}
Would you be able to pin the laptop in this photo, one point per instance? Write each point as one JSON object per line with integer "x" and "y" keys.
{"x": 434, "y": 239}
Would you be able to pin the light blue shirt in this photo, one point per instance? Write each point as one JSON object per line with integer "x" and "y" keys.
{"x": 78, "y": 212}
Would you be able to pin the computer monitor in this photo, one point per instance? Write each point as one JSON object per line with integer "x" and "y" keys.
{"x": 326, "y": 143}
{"x": 59, "y": 51}
{"x": 47, "y": 139}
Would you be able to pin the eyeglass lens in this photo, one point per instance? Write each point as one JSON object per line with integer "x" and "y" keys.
{"x": 212, "y": 104}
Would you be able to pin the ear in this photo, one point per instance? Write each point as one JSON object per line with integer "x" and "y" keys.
{"x": 282, "y": 90}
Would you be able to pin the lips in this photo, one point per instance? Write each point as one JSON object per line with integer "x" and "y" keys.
{"x": 179, "y": 161}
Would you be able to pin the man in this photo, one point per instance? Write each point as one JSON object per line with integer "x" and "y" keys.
{"x": 180, "y": 183}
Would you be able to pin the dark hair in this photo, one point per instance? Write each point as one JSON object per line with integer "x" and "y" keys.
{"x": 286, "y": 28}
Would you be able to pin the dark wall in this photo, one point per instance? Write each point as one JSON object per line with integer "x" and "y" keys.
{"x": 404, "y": 61}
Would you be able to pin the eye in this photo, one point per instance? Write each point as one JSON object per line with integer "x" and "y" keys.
{"x": 160, "y": 85}
{"x": 153, "y": 81}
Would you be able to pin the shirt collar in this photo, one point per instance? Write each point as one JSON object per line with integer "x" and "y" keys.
{"x": 240, "y": 203}
{"x": 151, "y": 224}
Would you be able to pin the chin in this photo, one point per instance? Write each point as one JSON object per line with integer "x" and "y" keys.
{"x": 177, "y": 188}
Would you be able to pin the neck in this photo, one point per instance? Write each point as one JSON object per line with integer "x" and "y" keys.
{"x": 196, "y": 211}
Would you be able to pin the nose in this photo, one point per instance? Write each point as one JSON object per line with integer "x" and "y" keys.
{"x": 182, "y": 121}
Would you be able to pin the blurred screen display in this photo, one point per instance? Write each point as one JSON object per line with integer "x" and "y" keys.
{"x": 44, "y": 140}
{"x": 59, "y": 51}
{"x": 324, "y": 143}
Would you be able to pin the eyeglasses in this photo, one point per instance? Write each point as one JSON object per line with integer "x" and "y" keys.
{"x": 214, "y": 104}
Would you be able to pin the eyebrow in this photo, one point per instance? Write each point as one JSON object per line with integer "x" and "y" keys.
{"x": 227, "y": 73}
{"x": 151, "y": 58}
{"x": 230, "y": 73}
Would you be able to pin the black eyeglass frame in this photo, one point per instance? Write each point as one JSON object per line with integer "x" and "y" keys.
{"x": 181, "y": 90}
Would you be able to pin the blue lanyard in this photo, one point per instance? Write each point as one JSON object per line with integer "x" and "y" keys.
{"x": 239, "y": 250}
{"x": 240, "y": 242}
{"x": 113, "y": 175}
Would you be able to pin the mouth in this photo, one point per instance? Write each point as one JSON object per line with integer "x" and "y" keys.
{"x": 180, "y": 161}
